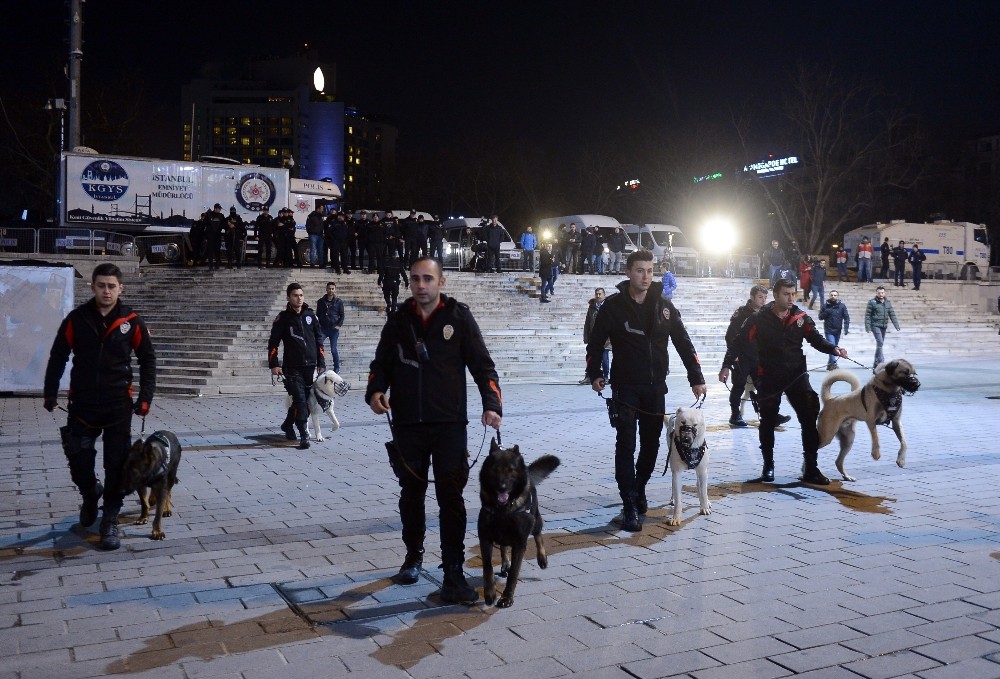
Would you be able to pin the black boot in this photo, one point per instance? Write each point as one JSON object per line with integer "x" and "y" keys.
{"x": 767, "y": 473}
{"x": 88, "y": 510}
{"x": 455, "y": 590}
{"x": 303, "y": 436}
{"x": 782, "y": 419}
{"x": 410, "y": 570}
{"x": 109, "y": 530}
{"x": 286, "y": 426}
{"x": 811, "y": 473}
{"x": 630, "y": 516}
{"x": 641, "y": 503}
{"x": 736, "y": 420}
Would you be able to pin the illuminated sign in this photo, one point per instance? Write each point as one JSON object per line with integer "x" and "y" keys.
{"x": 708, "y": 177}
{"x": 630, "y": 185}
{"x": 771, "y": 166}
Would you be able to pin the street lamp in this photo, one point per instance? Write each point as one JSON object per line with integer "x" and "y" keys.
{"x": 59, "y": 105}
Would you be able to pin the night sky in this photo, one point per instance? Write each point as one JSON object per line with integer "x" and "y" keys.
{"x": 551, "y": 74}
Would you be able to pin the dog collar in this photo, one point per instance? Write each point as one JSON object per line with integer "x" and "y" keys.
{"x": 160, "y": 471}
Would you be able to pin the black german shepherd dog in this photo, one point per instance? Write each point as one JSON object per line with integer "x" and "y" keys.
{"x": 509, "y": 515}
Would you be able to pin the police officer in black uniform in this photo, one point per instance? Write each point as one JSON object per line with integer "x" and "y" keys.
{"x": 421, "y": 361}
{"x": 215, "y": 228}
{"x": 102, "y": 334}
{"x": 265, "y": 238}
{"x": 742, "y": 358}
{"x": 640, "y": 323}
{"x": 778, "y": 330}
{"x": 298, "y": 329}
{"x": 435, "y": 230}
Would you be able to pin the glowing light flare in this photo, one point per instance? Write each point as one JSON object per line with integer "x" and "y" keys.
{"x": 719, "y": 236}
{"x": 319, "y": 80}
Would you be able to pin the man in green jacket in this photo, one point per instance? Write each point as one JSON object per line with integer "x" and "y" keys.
{"x": 877, "y": 316}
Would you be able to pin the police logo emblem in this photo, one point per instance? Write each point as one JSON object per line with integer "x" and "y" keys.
{"x": 309, "y": 320}
{"x": 800, "y": 322}
{"x": 666, "y": 314}
{"x": 448, "y": 332}
{"x": 125, "y": 327}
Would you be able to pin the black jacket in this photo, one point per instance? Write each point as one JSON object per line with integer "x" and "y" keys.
{"x": 432, "y": 391}
{"x": 102, "y": 348}
{"x": 545, "y": 264}
{"x": 639, "y": 336}
{"x": 302, "y": 338}
{"x": 779, "y": 341}
{"x": 745, "y": 352}
{"x": 330, "y": 312}
{"x": 834, "y": 316}
{"x": 493, "y": 235}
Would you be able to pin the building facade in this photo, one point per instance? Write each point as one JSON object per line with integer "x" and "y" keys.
{"x": 285, "y": 113}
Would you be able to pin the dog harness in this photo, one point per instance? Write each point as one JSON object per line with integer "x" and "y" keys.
{"x": 324, "y": 403}
{"x": 691, "y": 456}
{"x": 891, "y": 401}
{"x": 160, "y": 471}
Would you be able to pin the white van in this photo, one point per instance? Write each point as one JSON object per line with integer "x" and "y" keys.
{"x": 548, "y": 227}
{"x": 463, "y": 243}
{"x": 661, "y": 240}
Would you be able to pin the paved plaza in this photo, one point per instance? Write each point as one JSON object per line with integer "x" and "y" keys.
{"x": 278, "y": 562}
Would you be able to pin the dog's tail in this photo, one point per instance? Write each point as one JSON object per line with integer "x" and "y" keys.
{"x": 838, "y": 376}
{"x": 540, "y": 469}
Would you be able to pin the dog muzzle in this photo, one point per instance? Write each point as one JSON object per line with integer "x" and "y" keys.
{"x": 910, "y": 385}
{"x": 341, "y": 388}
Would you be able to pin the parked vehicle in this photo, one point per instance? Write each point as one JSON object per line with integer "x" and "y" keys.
{"x": 666, "y": 241}
{"x": 464, "y": 247}
{"x": 954, "y": 249}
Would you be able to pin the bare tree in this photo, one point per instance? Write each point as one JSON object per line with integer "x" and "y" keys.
{"x": 853, "y": 141}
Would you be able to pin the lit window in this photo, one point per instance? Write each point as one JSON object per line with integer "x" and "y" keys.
{"x": 272, "y": 152}
{"x": 357, "y": 161}
{"x": 245, "y": 120}
{"x": 285, "y": 120}
{"x": 350, "y": 129}
{"x": 245, "y": 141}
{"x": 217, "y": 130}
{"x": 231, "y": 130}
{"x": 286, "y": 132}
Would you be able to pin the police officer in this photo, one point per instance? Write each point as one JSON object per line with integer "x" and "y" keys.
{"x": 265, "y": 238}
{"x": 778, "y": 330}
{"x": 640, "y": 324}
{"x": 742, "y": 359}
{"x": 215, "y": 227}
{"x": 102, "y": 334}
{"x": 337, "y": 232}
{"x": 436, "y": 233}
{"x": 420, "y": 362}
{"x": 298, "y": 329}
{"x": 236, "y": 233}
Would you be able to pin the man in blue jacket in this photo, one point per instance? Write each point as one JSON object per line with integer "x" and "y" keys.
{"x": 528, "y": 244}
{"x": 835, "y": 319}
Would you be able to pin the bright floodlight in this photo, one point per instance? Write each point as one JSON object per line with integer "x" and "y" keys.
{"x": 718, "y": 235}
{"x": 319, "y": 82}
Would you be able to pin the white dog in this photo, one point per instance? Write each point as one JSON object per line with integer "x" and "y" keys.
{"x": 688, "y": 450}
{"x": 878, "y": 402}
{"x": 321, "y": 399}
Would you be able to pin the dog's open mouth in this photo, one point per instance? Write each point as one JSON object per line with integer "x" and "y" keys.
{"x": 502, "y": 498}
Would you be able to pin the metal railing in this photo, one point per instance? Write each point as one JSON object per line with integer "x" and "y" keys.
{"x": 71, "y": 241}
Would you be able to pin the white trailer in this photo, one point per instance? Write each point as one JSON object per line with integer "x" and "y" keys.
{"x": 150, "y": 196}
{"x": 953, "y": 249}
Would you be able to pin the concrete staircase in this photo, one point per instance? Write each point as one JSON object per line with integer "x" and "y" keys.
{"x": 211, "y": 328}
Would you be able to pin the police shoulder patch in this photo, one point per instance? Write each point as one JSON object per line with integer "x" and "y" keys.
{"x": 125, "y": 327}
{"x": 800, "y": 322}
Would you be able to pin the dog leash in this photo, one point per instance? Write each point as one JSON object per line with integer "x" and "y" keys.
{"x": 399, "y": 456}
{"x": 698, "y": 403}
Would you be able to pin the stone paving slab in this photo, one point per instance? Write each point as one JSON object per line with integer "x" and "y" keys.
{"x": 278, "y": 562}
